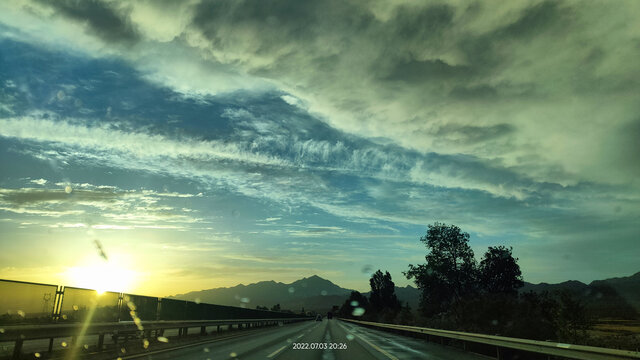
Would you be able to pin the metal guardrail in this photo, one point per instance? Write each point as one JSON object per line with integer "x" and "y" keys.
{"x": 534, "y": 346}
{"x": 20, "y": 333}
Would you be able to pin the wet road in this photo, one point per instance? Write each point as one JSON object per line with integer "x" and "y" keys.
{"x": 321, "y": 340}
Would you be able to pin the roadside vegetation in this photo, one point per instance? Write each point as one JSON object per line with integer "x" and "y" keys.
{"x": 459, "y": 293}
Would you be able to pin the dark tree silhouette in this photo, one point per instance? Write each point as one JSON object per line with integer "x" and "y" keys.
{"x": 572, "y": 319}
{"x": 275, "y": 307}
{"x": 356, "y": 300}
{"x": 382, "y": 296}
{"x": 499, "y": 272}
{"x": 450, "y": 271}
{"x": 405, "y": 316}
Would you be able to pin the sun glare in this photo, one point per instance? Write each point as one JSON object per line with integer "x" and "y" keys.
{"x": 102, "y": 276}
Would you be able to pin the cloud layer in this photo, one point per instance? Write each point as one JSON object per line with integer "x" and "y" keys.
{"x": 317, "y": 121}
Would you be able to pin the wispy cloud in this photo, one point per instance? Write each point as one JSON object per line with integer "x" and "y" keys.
{"x": 136, "y": 209}
{"x": 38, "y": 181}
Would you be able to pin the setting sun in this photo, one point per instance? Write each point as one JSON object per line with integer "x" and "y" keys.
{"x": 102, "y": 276}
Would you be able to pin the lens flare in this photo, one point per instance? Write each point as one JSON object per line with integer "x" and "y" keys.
{"x": 102, "y": 276}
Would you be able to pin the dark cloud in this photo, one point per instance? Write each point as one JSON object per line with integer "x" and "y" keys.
{"x": 110, "y": 24}
{"x": 534, "y": 20}
{"x": 28, "y": 196}
{"x": 423, "y": 23}
{"x": 275, "y": 24}
{"x": 474, "y": 92}
{"x": 426, "y": 71}
{"x": 474, "y": 134}
{"x": 628, "y": 147}
{"x": 489, "y": 51}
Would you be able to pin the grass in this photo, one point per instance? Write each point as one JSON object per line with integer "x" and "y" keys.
{"x": 615, "y": 334}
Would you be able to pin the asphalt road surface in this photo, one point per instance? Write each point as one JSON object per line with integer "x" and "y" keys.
{"x": 321, "y": 340}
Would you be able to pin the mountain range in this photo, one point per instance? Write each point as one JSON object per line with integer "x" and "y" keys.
{"x": 609, "y": 298}
{"x": 615, "y": 297}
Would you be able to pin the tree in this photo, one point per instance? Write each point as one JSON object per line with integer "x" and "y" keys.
{"x": 275, "y": 307}
{"x": 355, "y": 301}
{"x": 499, "y": 272}
{"x": 572, "y": 319}
{"x": 382, "y": 296}
{"x": 450, "y": 271}
{"x": 405, "y": 317}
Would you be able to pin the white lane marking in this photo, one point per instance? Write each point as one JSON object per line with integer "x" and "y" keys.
{"x": 377, "y": 348}
{"x": 382, "y": 351}
{"x": 405, "y": 347}
{"x": 327, "y": 353}
{"x": 299, "y": 336}
{"x": 379, "y": 338}
{"x": 277, "y": 351}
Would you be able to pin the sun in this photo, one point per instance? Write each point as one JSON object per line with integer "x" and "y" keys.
{"x": 102, "y": 276}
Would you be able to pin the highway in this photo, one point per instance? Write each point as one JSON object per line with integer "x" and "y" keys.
{"x": 330, "y": 340}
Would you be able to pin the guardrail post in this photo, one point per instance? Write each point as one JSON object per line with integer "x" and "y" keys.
{"x": 498, "y": 353}
{"x": 203, "y": 330}
{"x": 100, "y": 341}
{"x": 50, "y": 345}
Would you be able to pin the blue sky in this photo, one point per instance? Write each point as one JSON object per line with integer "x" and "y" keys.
{"x": 211, "y": 143}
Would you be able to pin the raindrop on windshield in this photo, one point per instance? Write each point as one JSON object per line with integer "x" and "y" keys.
{"x": 68, "y": 189}
{"x": 163, "y": 339}
{"x": 358, "y": 311}
{"x": 350, "y": 337}
{"x": 354, "y": 303}
{"x": 292, "y": 290}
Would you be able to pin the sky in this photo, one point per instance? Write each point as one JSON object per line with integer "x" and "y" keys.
{"x": 160, "y": 147}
